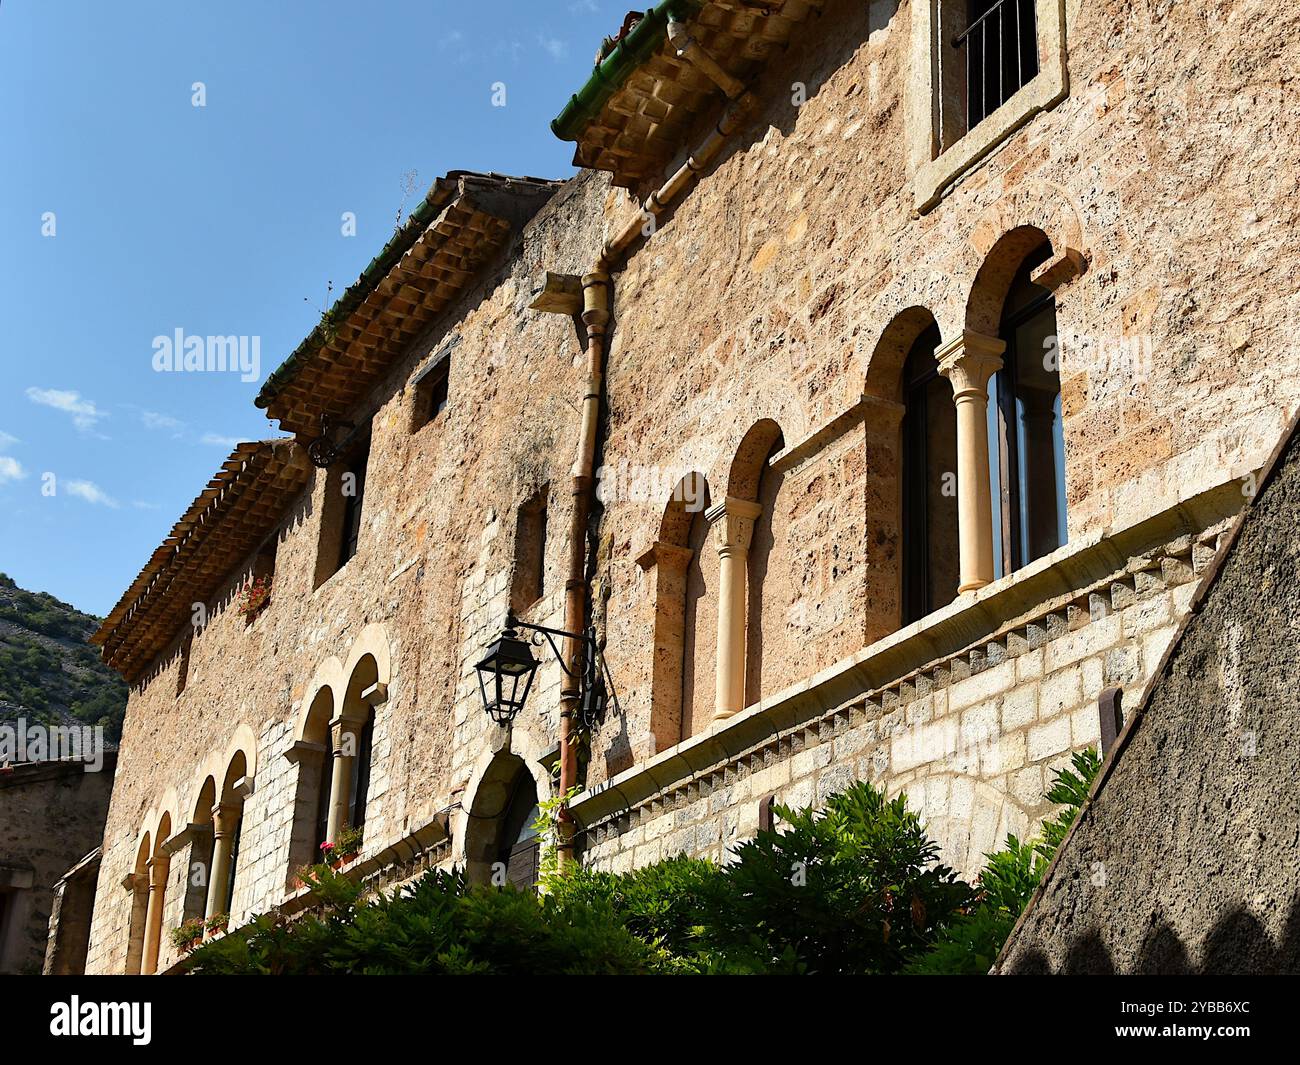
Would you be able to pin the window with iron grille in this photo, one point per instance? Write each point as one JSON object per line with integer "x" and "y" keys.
{"x": 1000, "y": 46}
{"x": 990, "y": 67}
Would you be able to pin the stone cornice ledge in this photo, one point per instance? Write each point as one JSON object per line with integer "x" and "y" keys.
{"x": 1046, "y": 585}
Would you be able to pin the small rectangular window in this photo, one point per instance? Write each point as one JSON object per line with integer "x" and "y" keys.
{"x": 432, "y": 387}
{"x": 342, "y": 509}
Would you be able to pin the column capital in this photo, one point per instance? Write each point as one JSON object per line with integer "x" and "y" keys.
{"x": 342, "y": 727}
{"x": 225, "y": 816}
{"x": 158, "y": 869}
{"x": 969, "y": 360}
{"x": 136, "y": 883}
{"x": 732, "y": 524}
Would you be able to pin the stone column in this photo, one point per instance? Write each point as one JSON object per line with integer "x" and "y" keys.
{"x": 158, "y": 869}
{"x": 732, "y": 524}
{"x": 345, "y": 736}
{"x": 968, "y": 362}
{"x": 225, "y": 821}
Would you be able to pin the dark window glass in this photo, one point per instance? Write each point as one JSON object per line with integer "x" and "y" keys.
{"x": 520, "y": 847}
{"x": 183, "y": 666}
{"x": 353, "y": 501}
{"x": 1027, "y": 452}
{"x": 234, "y": 865}
{"x": 1001, "y": 46}
{"x": 929, "y": 481}
{"x": 438, "y": 382}
{"x": 361, "y": 775}
{"x": 323, "y": 797}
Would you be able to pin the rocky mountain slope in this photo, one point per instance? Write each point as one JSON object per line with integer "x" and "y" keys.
{"x": 49, "y": 673}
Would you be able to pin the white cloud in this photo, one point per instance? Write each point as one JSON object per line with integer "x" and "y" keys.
{"x": 85, "y": 415}
{"x": 154, "y": 420}
{"x": 91, "y": 493}
{"x": 217, "y": 440}
{"x": 553, "y": 46}
{"x": 11, "y": 470}
{"x": 139, "y": 504}
{"x": 7, "y": 439}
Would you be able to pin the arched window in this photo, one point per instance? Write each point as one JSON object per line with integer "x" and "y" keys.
{"x": 138, "y": 886}
{"x": 360, "y": 784}
{"x": 1026, "y": 441}
{"x": 700, "y": 629}
{"x": 929, "y": 477}
{"x": 500, "y": 844}
{"x": 202, "y": 845}
{"x": 520, "y": 849}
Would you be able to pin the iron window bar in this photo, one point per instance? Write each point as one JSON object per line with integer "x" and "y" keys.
{"x": 966, "y": 39}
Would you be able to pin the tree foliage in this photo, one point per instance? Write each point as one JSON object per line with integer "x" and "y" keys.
{"x": 854, "y": 888}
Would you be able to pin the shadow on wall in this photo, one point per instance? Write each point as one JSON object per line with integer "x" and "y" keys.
{"x": 1237, "y": 945}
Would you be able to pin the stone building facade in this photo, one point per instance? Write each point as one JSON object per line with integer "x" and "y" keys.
{"x": 929, "y": 384}
{"x": 52, "y": 816}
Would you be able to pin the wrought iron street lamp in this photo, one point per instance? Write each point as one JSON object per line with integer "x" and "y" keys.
{"x": 505, "y": 675}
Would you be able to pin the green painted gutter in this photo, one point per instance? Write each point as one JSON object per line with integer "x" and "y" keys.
{"x": 613, "y": 71}
{"x": 428, "y": 209}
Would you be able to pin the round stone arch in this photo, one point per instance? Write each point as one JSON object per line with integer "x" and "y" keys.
{"x": 480, "y": 819}
{"x": 167, "y": 814}
{"x": 243, "y": 745}
{"x": 321, "y": 702}
{"x": 749, "y": 456}
{"x": 688, "y": 497}
{"x": 884, "y": 372}
{"x": 370, "y": 660}
{"x": 914, "y": 297}
{"x": 1008, "y": 230}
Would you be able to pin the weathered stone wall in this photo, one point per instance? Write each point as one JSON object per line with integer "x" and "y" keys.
{"x": 432, "y": 572}
{"x": 783, "y": 287}
{"x": 51, "y": 816}
{"x": 1185, "y": 859}
{"x": 778, "y": 288}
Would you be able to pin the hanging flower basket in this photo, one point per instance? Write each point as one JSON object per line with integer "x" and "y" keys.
{"x": 256, "y": 594}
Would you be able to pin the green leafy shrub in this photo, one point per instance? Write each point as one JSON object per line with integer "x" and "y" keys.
{"x": 663, "y": 904}
{"x": 858, "y": 888}
{"x": 438, "y": 925}
{"x": 855, "y": 888}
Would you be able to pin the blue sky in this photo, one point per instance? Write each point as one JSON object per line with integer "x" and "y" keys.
{"x": 222, "y": 219}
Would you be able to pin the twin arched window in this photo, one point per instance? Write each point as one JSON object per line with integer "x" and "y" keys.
{"x": 1026, "y": 449}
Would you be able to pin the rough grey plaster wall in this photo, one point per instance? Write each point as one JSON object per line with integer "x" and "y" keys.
{"x": 1188, "y": 859}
